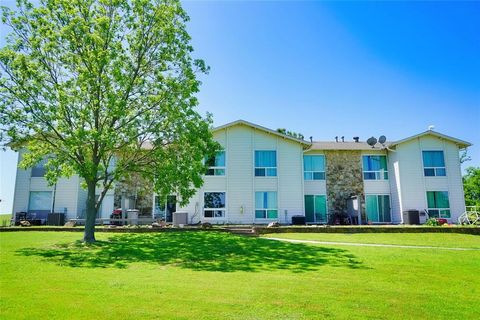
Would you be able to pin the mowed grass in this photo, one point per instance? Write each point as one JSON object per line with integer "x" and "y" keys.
{"x": 213, "y": 275}
{"x": 449, "y": 240}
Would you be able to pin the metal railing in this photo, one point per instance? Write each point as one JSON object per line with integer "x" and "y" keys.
{"x": 470, "y": 216}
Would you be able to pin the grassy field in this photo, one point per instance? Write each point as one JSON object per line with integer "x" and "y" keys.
{"x": 208, "y": 275}
{"x": 452, "y": 240}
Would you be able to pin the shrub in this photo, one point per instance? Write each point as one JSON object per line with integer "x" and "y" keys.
{"x": 432, "y": 222}
{"x": 436, "y": 222}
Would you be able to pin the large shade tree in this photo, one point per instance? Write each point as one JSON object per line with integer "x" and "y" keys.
{"x": 104, "y": 88}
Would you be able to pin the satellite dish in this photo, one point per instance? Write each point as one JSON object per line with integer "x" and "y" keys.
{"x": 372, "y": 141}
{"x": 382, "y": 139}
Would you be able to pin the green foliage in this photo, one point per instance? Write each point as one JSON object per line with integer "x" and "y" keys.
{"x": 291, "y": 133}
{"x": 464, "y": 157}
{"x": 89, "y": 84}
{"x": 471, "y": 186}
{"x": 432, "y": 222}
{"x": 5, "y": 220}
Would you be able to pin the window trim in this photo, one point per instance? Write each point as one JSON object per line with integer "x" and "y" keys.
{"x": 378, "y": 173}
{"x": 224, "y": 209}
{"x": 265, "y": 209}
{"x": 265, "y": 168}
{"x": 215, "y": 168}
{"x": 439, "y": 209}
{"x": 378, "y": 213}
{"x": 313, "y": 172}
{"x": 434, "y": 168}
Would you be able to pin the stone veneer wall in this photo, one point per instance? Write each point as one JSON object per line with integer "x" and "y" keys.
{"x": 344, "y": 179}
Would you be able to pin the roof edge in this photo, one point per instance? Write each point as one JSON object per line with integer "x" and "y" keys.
{"x": 256, "y": 126}
{"x": 461, "y": 143}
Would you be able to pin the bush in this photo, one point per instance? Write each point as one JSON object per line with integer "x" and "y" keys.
{"x": 432, "y": 222}
{"x": 436, "y": 222}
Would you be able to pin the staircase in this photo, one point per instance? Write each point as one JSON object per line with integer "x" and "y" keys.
{"x": 242, "y": 231}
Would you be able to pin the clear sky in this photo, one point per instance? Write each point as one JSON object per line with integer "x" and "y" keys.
{"x": 329, "y": 69}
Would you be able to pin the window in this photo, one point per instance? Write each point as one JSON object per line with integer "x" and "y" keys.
{"x": 265, "y": 163}
{"x": 316, "y": 208}
{"x": 214, "y": 204}
{"x": 266, "y": 205}
{"x": 438, "y": 204}
{"x": 375, "y": 168}
{"x": 216, "y": 165}
{"x": 40, "y": 201}
{"x": 38, "y": 170}
{"x": 378, "y": 208}
{"x": 433, "y": 164}
{"x": 314, "y": 167}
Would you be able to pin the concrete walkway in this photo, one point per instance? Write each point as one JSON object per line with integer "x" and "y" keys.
{"x": 371, "y": 244}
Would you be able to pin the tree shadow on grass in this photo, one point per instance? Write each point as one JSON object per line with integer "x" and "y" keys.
{"x": 202, "y": 251}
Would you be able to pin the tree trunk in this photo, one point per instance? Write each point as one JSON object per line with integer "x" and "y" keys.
{"x": 89, "y": 235}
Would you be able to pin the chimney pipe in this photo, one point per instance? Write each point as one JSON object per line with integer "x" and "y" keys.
{"x": 356, "y": 139}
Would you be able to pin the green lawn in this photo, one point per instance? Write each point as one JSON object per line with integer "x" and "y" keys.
{"x": 453, "y": 240}
{"x": 209, "y": 275}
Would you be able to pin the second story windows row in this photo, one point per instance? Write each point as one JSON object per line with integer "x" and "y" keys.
{"x": 374, "y": 166}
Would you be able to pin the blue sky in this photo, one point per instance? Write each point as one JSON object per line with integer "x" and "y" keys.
{"x": 335, "y": 68}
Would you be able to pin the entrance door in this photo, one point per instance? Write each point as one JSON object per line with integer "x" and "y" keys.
{"x": 315, "y": 208}
{"x": 378, "y": 208}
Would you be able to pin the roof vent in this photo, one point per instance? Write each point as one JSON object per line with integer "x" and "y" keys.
{"x": 343, "y": 138}
{"x": 431, "y": 127}
{"x": 311, "y": 139}
{"x": 356, "y": 139}
{"x": 336, "y": 138}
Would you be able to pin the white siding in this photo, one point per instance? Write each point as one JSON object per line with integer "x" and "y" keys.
{"x": 240, "y": 196}
{"x": 107, "y": 206}
{"x": 290, "y": 177}
{"x": 239, "y": 183}
{"x": 22, "y": 188}
{"x": 413, "y": 183}
{"x": 81, "y": 201}
{"x": 65, "y": 195}
{"x": 454, "y": 176}
{"x": 395, "y": 189}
